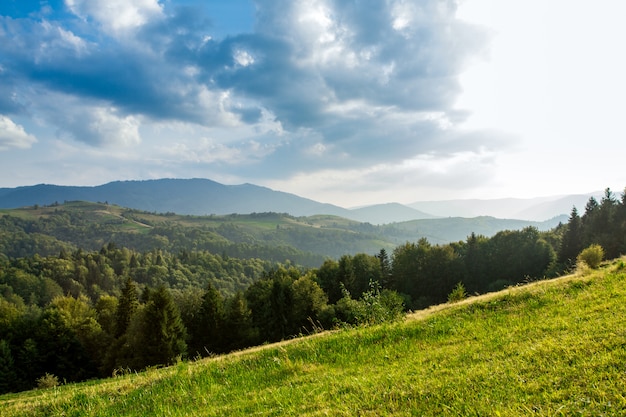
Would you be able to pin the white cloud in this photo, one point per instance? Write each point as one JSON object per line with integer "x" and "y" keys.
{"x": 117, "y": 16}
{"x": 99, "y": 126}
{"x": 13, "y": 135}
{"x": 405, "y": 182}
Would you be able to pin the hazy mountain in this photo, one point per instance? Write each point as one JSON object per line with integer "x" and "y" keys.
{"x": 453, "y": 229}
{"x": 560, "y": 205}
{"x": 203, "y": 196}
{"x": 387, "y": 213}
{"x": 199, "y": 197}
{"x": 533, "y": 209}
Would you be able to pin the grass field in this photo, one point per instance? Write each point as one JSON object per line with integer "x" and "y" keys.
{"x": 552, "y": 348}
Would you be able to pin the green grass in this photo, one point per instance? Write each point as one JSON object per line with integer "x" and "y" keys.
{"x": 553, "y": 348}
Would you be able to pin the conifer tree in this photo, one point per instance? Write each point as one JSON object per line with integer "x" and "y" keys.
{"x": 571, "y": 243}
{"x": 163, "y": 331}
{"x": 206, "y": 333}
{"x": 7, "y": 368}
{"x": 238, "y": 323}
{"x": 126, "y": 307}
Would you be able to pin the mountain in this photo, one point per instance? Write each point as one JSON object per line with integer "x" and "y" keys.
{"x": 200, "y": 197}
{"x": 454, "y": 229}
{"x": 532, "y": 209}
{"x": 560, "y": 205}
{"x": 387, "y": 213}
{"x": 183, "y": 196}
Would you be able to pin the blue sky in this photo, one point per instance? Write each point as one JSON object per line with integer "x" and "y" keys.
{"x": 343, "y": 101}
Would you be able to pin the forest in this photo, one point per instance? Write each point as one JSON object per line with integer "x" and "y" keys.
{"x": 75, "y": 313}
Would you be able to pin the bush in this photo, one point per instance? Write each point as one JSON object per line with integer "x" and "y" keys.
{"x": 458, "y": 293}
{"x": 374, "y": 307}
{"x": 47, "y": 381}
{"x": 592, "y": 256}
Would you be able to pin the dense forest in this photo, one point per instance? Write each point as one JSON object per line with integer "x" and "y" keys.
{"x": 77, "y": 312}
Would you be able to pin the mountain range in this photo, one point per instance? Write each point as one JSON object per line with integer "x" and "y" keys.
{"x": 203, "y": 196}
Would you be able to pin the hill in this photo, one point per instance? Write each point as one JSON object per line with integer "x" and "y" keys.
{"x": 306, "y": 240}
{"x": 553, "y": 347}
{"x": 205, "y": 197}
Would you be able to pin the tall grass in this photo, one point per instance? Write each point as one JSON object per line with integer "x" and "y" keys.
{"x": 550, "y": 348}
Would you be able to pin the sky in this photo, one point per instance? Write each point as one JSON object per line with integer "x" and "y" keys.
{"x": 349, "y": 102}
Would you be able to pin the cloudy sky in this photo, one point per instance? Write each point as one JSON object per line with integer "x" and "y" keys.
{"x": 349, "y": 102}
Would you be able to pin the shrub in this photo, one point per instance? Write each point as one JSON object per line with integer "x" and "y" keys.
{"x": 374, "y": 307}
{"x": 458, "y": 293}
{"x": 592, "y": 256}
{"x": 47, "y": 381}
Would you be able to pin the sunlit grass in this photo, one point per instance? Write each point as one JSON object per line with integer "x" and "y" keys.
{"x": 550, "y": 348}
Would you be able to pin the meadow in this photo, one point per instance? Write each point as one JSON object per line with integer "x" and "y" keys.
{"x": 554, "y": 347}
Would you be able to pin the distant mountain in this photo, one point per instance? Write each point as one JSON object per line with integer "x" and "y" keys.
{"x": 532, "y": 209}
{"x": 203, "y": 197}
{"x": 182, "y": 196}
{"x": 387, "y": 213}
{"x": 199, "y": 197}
{"x": 454, "y": 229}
{"x": 560, "y": 205}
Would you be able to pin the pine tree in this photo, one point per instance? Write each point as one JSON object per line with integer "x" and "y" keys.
{"x": 163, "y": 331}
{"x": 572, "y": 242}
{"x": 208, "y": 327}
{"x": 7, "y": 368}
{"x": 238, "y": 322}
{"x": 385, "y": 269}
{"x": 126, "y": 307}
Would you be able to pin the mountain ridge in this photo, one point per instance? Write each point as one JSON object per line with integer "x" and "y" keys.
{"x": 198, "y": 196}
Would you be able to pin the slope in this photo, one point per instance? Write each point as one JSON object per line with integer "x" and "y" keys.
{"x": 550, "y": 348}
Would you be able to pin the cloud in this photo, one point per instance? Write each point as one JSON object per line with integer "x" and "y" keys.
{"x": 99, "y": 126}
{"x": 318, "y": 84}
{"x": 13, "y": 135}
{"x": 117, "y": 17}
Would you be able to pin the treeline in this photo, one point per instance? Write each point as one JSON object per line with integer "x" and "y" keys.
{"x": 87, "y": 314}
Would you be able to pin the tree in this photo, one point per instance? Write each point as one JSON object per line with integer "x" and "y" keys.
{"x": 308, "y": 302}
{"x": 238, "y": 322}
{"x": 571, "y": 244}
{"x": 8, "y": 375}
{"x": 592, "y": 256}
{"x": 126, "y": 307}
{"x": 208, "y": 328}
{"x": 327, "y": 276}
{"x": 78, "y": 316}
{"x": 385, "y": 269}
{"x": 163, "y": 332}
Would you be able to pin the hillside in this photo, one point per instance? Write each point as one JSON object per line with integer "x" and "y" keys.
{"x": 274, "y": 236}
{"x": 553, "y": 347}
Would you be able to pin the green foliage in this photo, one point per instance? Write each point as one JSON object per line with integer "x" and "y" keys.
{"x": 126, "y": 307}
{"x": 530, "y": 350}
{"x": 373, "y": 307}
{"x": 592, "y": 256}
{"x": 208, "y": 328}
{"x": 458, "y": 293}
{"x": 162, "y": 332}
{"x": 47, "y": 381}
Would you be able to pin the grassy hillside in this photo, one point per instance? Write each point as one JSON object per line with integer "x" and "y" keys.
{"x": 549, "y": 348}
